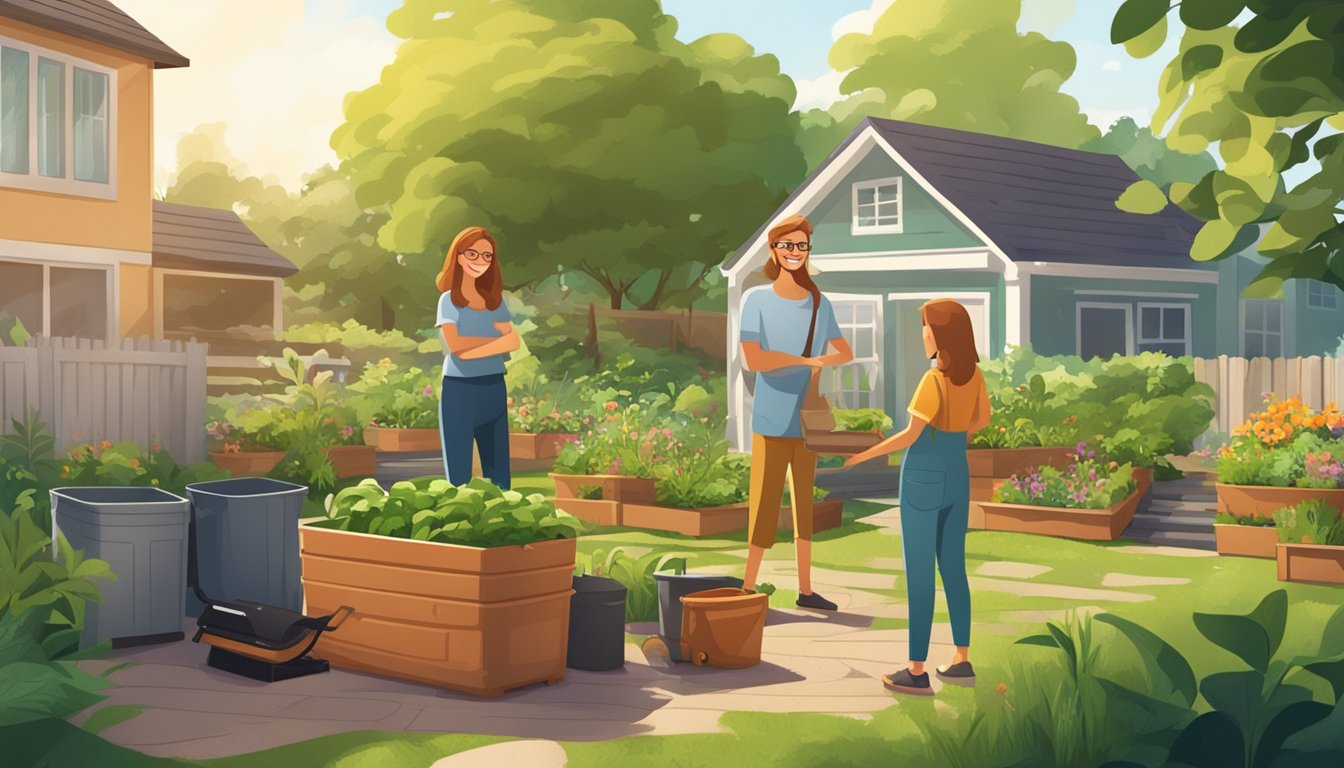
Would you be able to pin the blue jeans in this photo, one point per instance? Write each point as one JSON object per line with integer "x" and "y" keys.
{"x": 475, "y": 410}
{"x": 935, "y": 503}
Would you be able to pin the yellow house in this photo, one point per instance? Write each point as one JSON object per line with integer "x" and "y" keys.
{"x": 85, "y": 250}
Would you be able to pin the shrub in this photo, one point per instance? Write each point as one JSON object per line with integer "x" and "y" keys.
{"x": 545, "y": 416}
{"x": 1088, "y": 482}
{"x": 1310, "y": 522}
{"x": 1287, "y": 444}
{"x": 1254, "y": 521}
{"x": 388, "y": 395}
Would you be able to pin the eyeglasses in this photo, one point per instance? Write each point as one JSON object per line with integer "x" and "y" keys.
{"x": 784, "y": 245}
{"x": 472, "y": 255}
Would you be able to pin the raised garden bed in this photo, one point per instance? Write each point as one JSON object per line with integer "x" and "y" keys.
{"x": 1264, "y": 500}
{"x": 714, "y": 521}
{"x": 988, "y": 467}
{"x": 246, "y": 463}
{"x": 353, "y": 460}
{"x": 528, "y": 445}
{"x": 1092, "y": 524}
{"x": 1246, "y": 540}
{"x": 598, "y": 511}
{"x": 1315, "y": 563}
{"x": 622, "y": 488}
{"x": 397, "y": 440}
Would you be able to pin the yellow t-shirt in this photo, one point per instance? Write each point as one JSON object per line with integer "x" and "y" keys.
{"x": 951, "y": 408}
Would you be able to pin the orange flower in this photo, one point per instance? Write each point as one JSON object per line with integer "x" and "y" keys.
{"x": 135, "y": 463}
{"x": 1002, "y": 688}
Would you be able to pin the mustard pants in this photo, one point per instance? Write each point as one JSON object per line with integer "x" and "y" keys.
{"x": 772, "y": 458}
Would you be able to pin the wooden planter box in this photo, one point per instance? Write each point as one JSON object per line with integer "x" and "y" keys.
{"x": 1264, "y": 500}
{"x": 599, "y": 511}
{"x": 1246, "y": 540}
{"x": 396, "y": 440}
{"x": 1093, "y": 524}
{"x": 527, "y": 445}
{"x": 247, "y": 463}
{"x": 483, "y": 621}
{"x": 622, "y": 488}
{"x": 715, "y": 521}
{"x": 989, "y": 467}
{"x": 1311, "y": 563}
{"x": 353, "y": 460}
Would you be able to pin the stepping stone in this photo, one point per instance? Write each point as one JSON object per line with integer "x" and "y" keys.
{"x": 1005, "y": 569}
{"x": 534, "y": 754}
{"x": 1130, "y": 580}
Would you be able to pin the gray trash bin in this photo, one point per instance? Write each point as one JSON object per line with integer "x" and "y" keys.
{"x": 142, "y": 534}
{"x": 247, "y": 541}
{"x": 671, "y": 588}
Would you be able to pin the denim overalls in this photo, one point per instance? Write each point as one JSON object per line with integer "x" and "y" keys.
{"x": 935, "y": 501}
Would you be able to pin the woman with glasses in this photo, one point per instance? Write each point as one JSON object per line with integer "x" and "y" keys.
{"x": 478, "y": 335}
{"x": 787, "y": 327}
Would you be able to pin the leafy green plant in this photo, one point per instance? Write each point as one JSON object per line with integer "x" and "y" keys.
{"x": 1310, "y": 522}
{"x": 862, "y": 420}
{"x": 478, "y": 514}
{"x": 1254, "y": 521}
{"x": 32, "y": 685}
{"x": 590, "y": 491}
{"x": 545, "y": 415}
{"x": 1088, "y": 482}
{"x": 388, "y": 395}
{"x": 635, "y": 573}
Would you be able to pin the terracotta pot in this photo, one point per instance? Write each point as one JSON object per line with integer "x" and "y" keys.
{"x": 353, "y": 460}
{"x": 527, "y": 445}
{"x": 1246, "y": 540}
{"x": 623, "y": 488}
{"x": 598, "y": 511}
{"x": 1314, "y": 563}
{"x": 1093, "y": 524}
{"x": 1001, "y": 463}
{"x": 247, "y": 463}
{"x": 397, "y": 440}
{"x": 1264, "y": 500}
{"x": 483, "y": 621}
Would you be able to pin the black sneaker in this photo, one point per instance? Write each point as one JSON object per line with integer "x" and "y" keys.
{"x": 816, "y": 602}
{"x": 907, "y": 682}
{"x": 961, "y": 671}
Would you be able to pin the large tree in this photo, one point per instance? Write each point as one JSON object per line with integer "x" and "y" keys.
{"x": 957, "y": 64}
{"x": 583, "y": 133}
{"x": 1149, "y": 156}
{"x": 1265, "y": 92}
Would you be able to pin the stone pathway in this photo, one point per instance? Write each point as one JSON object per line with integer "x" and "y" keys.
{"x": 811, "y": 662}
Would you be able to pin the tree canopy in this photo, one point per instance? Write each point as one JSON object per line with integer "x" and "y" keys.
{"x": 1149, "y": 156}
{"x": 1267, "y": 93}
{"x": 583, "y": 134}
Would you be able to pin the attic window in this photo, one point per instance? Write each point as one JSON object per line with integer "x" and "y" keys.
{"x": 1321, "y": 295}
{"x": 878, "y": 207}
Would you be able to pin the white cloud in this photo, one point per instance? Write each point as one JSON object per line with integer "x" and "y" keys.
{"x": 860, "y": 21}
{"x": 1045, "y": 16}
{"x": 275, "y": 71}
{"x": 1112, "y": 65}
{"x": 820, "y": 92}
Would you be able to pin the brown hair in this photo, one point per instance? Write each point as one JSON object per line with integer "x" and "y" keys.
{"x": 490, "y": 285}
{"x": 954, "y": 338}
{"x": 794, "y": 223}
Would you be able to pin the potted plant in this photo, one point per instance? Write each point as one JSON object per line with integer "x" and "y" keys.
{"x": 1089, "y": 499}
{"x": 1245, "y": 535}
{"x": 462, "y": 587}
{"x": 350, "y": 456}
{"x": 399, "y": 407}
{"x": 1286, "y": 454}
{"x": 249, "y": 443}
{"x": 1311, "y": 548}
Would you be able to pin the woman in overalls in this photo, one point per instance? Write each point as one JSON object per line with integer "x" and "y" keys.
{"x": 949, "y": 405}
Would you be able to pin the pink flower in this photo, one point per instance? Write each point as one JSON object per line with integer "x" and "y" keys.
{"x": 347, "y": 431}
{"x": 428, "y": 391}
{"x": 667, "y": 432}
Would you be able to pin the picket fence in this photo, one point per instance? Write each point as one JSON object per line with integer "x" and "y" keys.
{"x": 143, "y": 391}
{"x": 1241, "y": 384}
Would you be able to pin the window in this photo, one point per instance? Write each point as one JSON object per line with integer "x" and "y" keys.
{"x": 1164, "y": 328}
{"x": 1104, "y": 330}
{"x": 859, "y": 383}
{"x": 57, "y": 300}
{"x": 1322, "y": 295}
{"x": 1261, "y": 328}
{"x": 21, "y": 295}
{"x": 878, "y": 206}
{"x": 200, "y": 305}
{"x": 57, "y": 122}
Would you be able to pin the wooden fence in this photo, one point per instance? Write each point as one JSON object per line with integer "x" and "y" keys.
{"x": 1240, "y": 384}
{"x": 143, "y": 391}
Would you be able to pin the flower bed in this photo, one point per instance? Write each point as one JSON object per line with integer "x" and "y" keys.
{"x": 1311, "y": 542}
{"x": 1282, "y": 456}
{"x": 1251, "y": 536}
{"x": 467, "y": 588}
{"x": 1090, "y": 499}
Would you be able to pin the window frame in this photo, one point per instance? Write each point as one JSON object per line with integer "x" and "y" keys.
{"x": 67, "y": 184}
{"x": 111, "y": 330}
{"x": 277, "y": 295}
{"x": 1320, "y": 296}
{"x": 872, "y": 363}
{"x": 1140, "y": 340}
{"x": 875, "y": 185}
{"x": 1131, "y": 333}
{"x": 1264, "y": 332}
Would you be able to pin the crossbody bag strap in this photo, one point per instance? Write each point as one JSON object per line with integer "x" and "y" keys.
{"x": 813, "y": 400}
{"x": 937, "y": 385}
{"x": 812, "y": 326}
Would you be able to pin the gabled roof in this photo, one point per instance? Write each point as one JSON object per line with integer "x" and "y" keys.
{"x": 211, "y": 240}
{"x": 96, "y": 20}
{"x": 1035, "y": 201}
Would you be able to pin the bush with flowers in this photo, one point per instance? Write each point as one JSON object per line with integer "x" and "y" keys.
{"x": 1088, "y": 482}
{"x": 1288, "y": 444}
{"x": 544, "y": 415}
{"x": 389, "y": 395}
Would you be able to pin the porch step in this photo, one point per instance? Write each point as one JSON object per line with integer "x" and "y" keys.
{"x": 1191, "y": 523}
{"x": 1181, "y": 506}
{"x": 1172, "y": 538}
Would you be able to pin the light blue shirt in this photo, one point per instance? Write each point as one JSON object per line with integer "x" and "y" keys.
{"x": 780, "y": 325}
{"x": 471, "y": 322}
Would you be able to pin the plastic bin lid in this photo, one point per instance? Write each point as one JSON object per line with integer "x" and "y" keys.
{"x": 246, "y": 486}
{"x": 140, "y": 496}
{"x": 694, "y": 577}
{"x": 589, "y": 584}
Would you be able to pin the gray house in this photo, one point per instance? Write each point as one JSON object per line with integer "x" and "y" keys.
{"x": 1027, "y": 236}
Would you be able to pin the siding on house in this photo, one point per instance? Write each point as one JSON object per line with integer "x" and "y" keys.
{"x": 1317, "y": 330}
{"x": 1054, "y": 307}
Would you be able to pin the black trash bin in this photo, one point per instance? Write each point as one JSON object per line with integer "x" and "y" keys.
{"x": 142, "y": 534}
{"x": 596, "y": 624}
{"x": 671, "y": 588}
{"x": 246, "y": 533}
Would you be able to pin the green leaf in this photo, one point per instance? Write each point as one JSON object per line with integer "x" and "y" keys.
{"x": 1214, "y": 240}
{"x": 1135, "y": 17}
{"x": 1210, "y": 14}
{"x": 1272, "y": 616}
{"x": 1045, "y": 641}
{"x": 1150, "y": 41}
{"x": 1237, "y": 695}
{"x": 1199, "y": 59}
{"x": 1162, "y": 659}
{"x": 1143, "y": 197}
{"x": 1238, "y": 635}
{"x": 1332, "y": 672}
{"x": 1213, "y": 740}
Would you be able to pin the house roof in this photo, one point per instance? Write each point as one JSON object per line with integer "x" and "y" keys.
{"x": 211, "y": 240}
{"x": 1035, "y": 201}
{"x": 96, "y": 20}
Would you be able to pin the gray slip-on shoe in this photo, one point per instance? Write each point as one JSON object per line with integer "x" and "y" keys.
{"x": 907, "y": 682}
{"x": 960, "y": 671}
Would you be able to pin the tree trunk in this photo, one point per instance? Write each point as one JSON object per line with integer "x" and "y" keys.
{"x": 389, "y": 315}
{"x": 591, "y": 341}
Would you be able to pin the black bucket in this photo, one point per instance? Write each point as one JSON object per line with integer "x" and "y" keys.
{"x": 596, "y": 624}
{"x": 671, "y": 588}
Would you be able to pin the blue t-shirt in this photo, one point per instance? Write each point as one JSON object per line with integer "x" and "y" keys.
{"x": 471, "y": 322}
{"x": 780, "y": 325}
